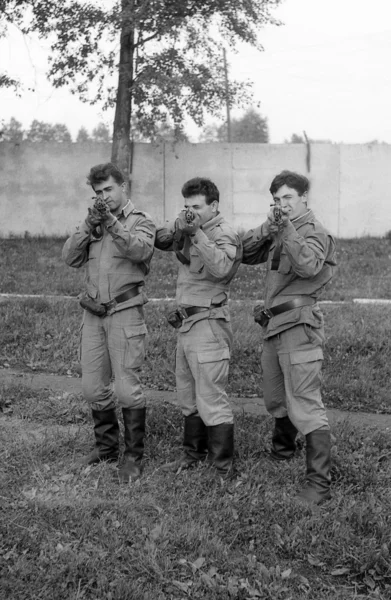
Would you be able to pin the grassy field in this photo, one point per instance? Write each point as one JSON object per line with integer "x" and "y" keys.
{"x": 34, "y": 266}
{"x": 73, "y": 533}
{"x": 70, "y": 532}
{"x": 43, "y": 335}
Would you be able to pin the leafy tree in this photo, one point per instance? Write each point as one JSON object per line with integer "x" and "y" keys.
{"x": 298, "y": 139}
{"x": 170, "y": 54}
{"x": 46, "y": 132}
{"x": 61, "y": 133}
{"x": 295, "y": 139}
{"x": 251, "y": 128}
{"x": 101, "y": 133}
{"x": 83, "y": 135}
{"x": 12, "y": 131}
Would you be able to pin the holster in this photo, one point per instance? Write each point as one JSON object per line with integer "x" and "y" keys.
{"x": 175, "y": 319}
{"x": 93, "y": 307}
{"x": 261, "y": 315}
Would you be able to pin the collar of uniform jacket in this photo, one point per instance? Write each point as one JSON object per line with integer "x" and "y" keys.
{"x": 306, "y": 218}
{"x": 127, "y": 209}
{"x": 213, "y": 222}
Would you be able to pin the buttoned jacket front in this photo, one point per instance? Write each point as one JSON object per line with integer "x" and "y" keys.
{"x": 117, "y": 258}
{"x": 306, "y": 264}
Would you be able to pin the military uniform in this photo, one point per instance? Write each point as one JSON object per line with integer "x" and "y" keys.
{"x": 117, "y": 259}
{"x": 300, "y": 261}
{"x": 208, "y": 261}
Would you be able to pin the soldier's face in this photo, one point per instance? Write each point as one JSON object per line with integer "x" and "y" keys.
{"x": 112, "y": 193}
{"x": 289, "y": 198}
{"x": 205, "y": 211}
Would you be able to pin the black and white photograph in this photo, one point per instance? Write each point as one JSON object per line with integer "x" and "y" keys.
{"x": 195, "y": 300}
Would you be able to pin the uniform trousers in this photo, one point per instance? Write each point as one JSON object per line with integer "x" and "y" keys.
{"x": 202, "y": 366}
{"x": 113, "y": 346}
{"x": 291, "y": 365}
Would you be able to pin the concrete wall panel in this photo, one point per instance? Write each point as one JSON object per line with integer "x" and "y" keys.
{"x": 185, "y": 161}
{"x": 365, "y": 190}
{"x": 44, "y": 187}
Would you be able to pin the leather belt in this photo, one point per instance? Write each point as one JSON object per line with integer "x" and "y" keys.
{"x": 132, "y": 293}
{"x": 291, "y": 304}
{"x": 189, "y": 311}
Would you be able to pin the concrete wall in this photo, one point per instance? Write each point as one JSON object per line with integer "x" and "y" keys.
{"x": 44, "y": 187}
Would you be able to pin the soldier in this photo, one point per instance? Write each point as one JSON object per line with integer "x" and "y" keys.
{"x": 116, "y": 241}
{"x": 209, "y": 252}
{"x": 300, "y": 257}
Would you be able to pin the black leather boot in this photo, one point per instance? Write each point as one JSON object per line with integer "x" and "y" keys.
{"x": 221, "y": 448}
{"x": 195, "y": 445}
{"x": 106, "y": 431}
{"x": 317, "y": 488}
{"x": 134, "y": 423}
{"x": 283, "y": 440}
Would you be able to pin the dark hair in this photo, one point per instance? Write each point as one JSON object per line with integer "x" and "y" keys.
{"x": 203, "y": 187}
{"x": 293, "y": 180}
{"x": 102, "y": 172}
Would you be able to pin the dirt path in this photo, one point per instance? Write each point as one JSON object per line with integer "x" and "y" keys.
{"x": 254, "y": 406}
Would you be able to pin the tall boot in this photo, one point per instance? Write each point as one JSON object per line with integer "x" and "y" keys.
{"x": 221, "y": 448}
{"x": 106, "y": 432}
{"x": 283, "y": 440}
{"x": 317, "y": 488}
{"x": 134, "y": 423}
{"x": 195, "y": 445}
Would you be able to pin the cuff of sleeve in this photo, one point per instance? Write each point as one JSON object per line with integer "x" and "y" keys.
{"x": 113, "y": 222}
{"x": 198, "y": 237}
{"x": 288, "y": 230}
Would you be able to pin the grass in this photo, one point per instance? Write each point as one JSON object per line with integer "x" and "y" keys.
{"x": 33, "y": 265}
{"x": 43, "y": 335}
{"x": 73, "y": 533}
{"x": 70, "y": 532}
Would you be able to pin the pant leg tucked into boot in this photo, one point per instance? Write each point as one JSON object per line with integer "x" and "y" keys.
{"x": 134, "y": 424}
{"x": 318, "y": 451}
{"x": 221, "y": 448}
{"x": 283, "y": 440}
{"x": 106, "y": 430}
{"x": 195, "y": 445}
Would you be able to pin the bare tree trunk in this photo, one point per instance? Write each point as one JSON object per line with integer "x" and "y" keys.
{"x": 121, "y": 150}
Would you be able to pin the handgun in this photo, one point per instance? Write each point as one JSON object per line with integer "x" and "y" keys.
{"x": 277, "y": 214}
{"x": 189, "y": 216}
{"x": 100, "y": 205}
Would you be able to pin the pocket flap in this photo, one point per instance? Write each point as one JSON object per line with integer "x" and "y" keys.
{"x": 135, "y": 330}
{"x": 306, "y": 356}
{"x": 214, "y": 355}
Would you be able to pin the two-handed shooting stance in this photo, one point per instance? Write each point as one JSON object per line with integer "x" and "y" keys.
{"x": 116, "y": 241}
{"x": 300, "y": 257}
{"x": 209, "y": 252}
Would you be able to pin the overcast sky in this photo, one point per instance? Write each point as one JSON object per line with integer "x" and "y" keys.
{"x": 327, "y": 71}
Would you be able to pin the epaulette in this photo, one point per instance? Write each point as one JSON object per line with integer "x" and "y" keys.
{"x": 135, "y": 211}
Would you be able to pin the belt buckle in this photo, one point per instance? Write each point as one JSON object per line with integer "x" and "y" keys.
{"x": 110, "y": 306}
{"x": 182, "y": 313}
{"x": 267, "y": 313}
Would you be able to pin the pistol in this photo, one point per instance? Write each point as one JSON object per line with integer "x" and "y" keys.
{"x": 189, "y": 216}
{"x": 277, "y": 214}
{"x": 100, "y": 205}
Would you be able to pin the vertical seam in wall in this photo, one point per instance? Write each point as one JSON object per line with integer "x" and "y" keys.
{"x": 339, "y": 191}
{"x": 232, "y": 217}
{"x": 164, "y": 181}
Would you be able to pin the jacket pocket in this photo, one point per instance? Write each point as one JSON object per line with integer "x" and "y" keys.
{"x": 196, "y": 264}
{"x": 285, "y": 266}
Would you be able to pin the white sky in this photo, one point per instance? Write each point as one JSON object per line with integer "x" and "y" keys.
{"x": 327, "y": 71}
